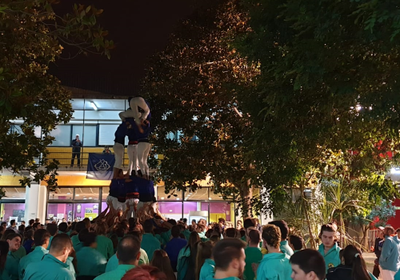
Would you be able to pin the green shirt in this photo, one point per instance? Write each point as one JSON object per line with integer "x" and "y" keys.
{"x": 11, "y": 268}
{"x": 113, "y": 261}
{"x": 332, "y": 258}
{"x": 150, "y": 244}
{"x": 274, "y": 266}
{"x": 35, "y": 256}
{"x": 229, "y": 278}
{"x": 76, "y": 243}
{"x": 20, "y": 253}
{"x": 207, "y": 271}
{"x": 48, "y": 268}
{"x": 117, "y": 273}
{"x": 253, "y": 255}
{"x": 105, "y": 246}
{"x": 90, "y": 262}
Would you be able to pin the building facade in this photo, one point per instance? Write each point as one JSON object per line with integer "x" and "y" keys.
{"x": 95, "y": 119}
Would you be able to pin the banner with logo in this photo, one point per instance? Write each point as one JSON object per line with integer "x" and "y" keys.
{"x": 100, "y": 166}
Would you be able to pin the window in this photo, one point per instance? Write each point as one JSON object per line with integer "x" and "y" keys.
{"x": 62, "y": 135}
{"x": 106, "y": 134}
{"x": 87, "y": 136}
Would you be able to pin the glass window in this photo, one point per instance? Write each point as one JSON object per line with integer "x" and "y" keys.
{"x": 199, "y": 194}
{"x": 88, "y": 136}
{"x": 220, "y": 210}
{"x": 62, "y": 134}
{"x": 60, "y": 211}
{"x": 106, "y": 191}
{"x": 14, "y": 193}
{"x": 106, "y": 134}
{"x": 62, "y": 194}
{"x": 86, "y": 210}
{"x": 87, "y": 193}
{"x": 12, "y": 211}
{"x": 171, "y": 209}
{"x": 173, "y": 195}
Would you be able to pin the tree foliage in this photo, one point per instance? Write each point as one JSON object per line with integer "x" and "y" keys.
{"x": 329, "y": 82}
{"x": 194, "y": 84}
{"x": 32, "y": 36}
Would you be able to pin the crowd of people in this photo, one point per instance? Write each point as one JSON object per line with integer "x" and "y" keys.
{"x": 178, "y": 251}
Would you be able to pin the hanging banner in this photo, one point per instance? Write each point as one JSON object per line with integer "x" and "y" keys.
{"x": 100, "y": 166}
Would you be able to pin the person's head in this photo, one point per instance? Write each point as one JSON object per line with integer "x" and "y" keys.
{"x": 52, "y": 229}
{"x": 148, "y": 226}
{"x": 193, "y": 239}
{"x": 101, "y": 228}
{"x": 21, "y": 229}
{"x": 352, "y": 256}
{"x": 14, "y": 241}
{"x": 61, "y": 247}
{"x": 296, "y": 242}
{"x": 136, "y": 234}
{"x": 3, "y": 226}
{"x": 80, "y": 226}
{"x": 229, "y": 257}
{"x": 221, "y": 221}
{"x": 41, "y": 238}
{"x": 254, "y": 237}
{"x": 4, "y": 247}
{"x": 307, "y": 264}
{"x": 175, "y": 231}
{"x": 31, "y": 222}
{"x": 249, "y": 222}
{"x": 128, "y": 250}
{"x": 204, "y": 251}
{"x": 144, "y": 272}
{"x": 162, "y": 262}
{"x": 63, "y": 227}
{"x": 87, "y": 238}
{"x": 232, "y": 233}
{"x": 36, "y": 226}
{"x": 271, "y": 235}
{"x": 282, "y": 225}
{"x": 388, "y": 231}
{"x": 328, "y": 235}
{"x": 12, "y": 223}
{"x": 77, "y": 136}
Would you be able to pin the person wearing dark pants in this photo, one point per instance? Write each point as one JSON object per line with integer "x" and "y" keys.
{"x": 76, "y": 150}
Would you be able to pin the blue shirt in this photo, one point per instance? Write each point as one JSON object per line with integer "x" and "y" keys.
{"x": 390, "y": 258}
{"x": 172, "y": 248}
{"x": 331, "y": 258}
{"x": 48, "y": 268}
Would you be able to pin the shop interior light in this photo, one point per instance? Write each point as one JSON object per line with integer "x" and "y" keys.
{"x": 94, "y": 106}
{"x": 395, "y": 170}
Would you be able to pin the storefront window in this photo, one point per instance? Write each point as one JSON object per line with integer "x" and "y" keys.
{"x": 60, "y": 211}
{"x": 62, "y": 194}
{"x": 174, "y": 195}
{"x": 220, "y": 210}
{"x": 12, "y": 211}
{"x": 86, "y": 210}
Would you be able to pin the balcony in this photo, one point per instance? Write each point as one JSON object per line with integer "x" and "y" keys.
{"x": 64, "y": 156}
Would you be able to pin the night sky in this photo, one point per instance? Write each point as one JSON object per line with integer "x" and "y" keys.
{"x": 139, "y": 29}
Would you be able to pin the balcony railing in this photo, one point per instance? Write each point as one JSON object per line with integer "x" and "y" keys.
{"x": 64, "y": 156}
